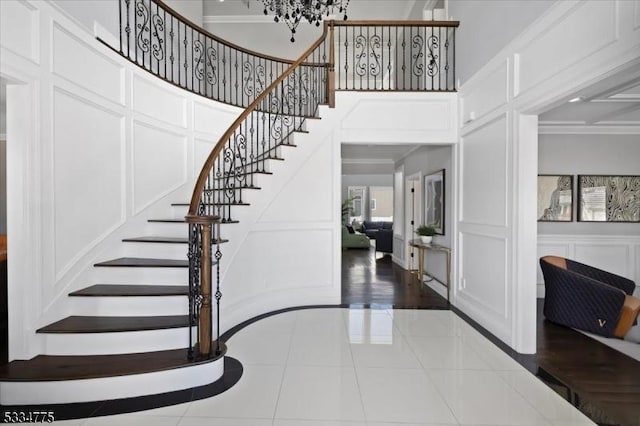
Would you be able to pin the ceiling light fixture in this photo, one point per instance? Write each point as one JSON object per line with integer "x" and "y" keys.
{"x": 293, "y": 11}
{"x": 578, "y": 99}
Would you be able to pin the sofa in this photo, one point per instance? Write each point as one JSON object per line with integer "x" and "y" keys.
{"x": 384, "y": 241}
{"x": 355, "y": 239}
{"x": 371, "y": 228}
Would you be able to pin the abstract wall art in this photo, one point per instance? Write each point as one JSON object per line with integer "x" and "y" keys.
{"x": 608, "y": 198}
{"x": 434, "y": 198}
{"x": 555, "y": 198}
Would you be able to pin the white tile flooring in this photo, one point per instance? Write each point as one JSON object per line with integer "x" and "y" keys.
{"x": 341, "y": 367}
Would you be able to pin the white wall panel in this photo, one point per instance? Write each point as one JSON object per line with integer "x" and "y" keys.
{"x": 156, "y": 100}
{"x": 159, "y": 163}
{"x": 306, "y": 190}
{"x": 398, "y": 117}
{"x": 213, "y": 120}
{"x": 487, "y": 96}
{"x": 202, "y": 150}
{"x": 615, "y": 253}
{"x": 611, "y": 257}
{"x": 573, "y": 38}
{"x": 19, "y": 29}
{"x": 636, "y": 15}
{"x": 78, "y": 63}
{"x": 88, "y": 175}
{"x": 484, "y": 262}
{"x": 484, "y": 174}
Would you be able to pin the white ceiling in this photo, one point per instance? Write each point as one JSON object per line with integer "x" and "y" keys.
{"x": 373, "y": 159}
{"x": 358, "y": 9}
{"x": 600, "y": 106}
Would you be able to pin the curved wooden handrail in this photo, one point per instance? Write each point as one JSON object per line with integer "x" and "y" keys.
{"x": 202, "y": 177}
{"x": 201, "y": 30}
{"x": 415, "y": 23}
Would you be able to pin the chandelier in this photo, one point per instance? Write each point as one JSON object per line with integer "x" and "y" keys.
{"x": 293, "y": 11}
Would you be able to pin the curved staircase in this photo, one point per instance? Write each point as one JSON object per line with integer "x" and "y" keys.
{"x": 166, "y": 335}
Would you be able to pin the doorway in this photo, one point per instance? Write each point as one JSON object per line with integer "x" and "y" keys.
{"x": 413, "y": 191}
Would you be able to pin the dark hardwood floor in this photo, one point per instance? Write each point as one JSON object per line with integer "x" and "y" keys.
{"x": 600, "y": 381}
{"x": 373, "y": 280}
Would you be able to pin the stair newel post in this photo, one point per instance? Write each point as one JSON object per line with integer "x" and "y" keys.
{"x": 331, "y": 78}
{"x": 200, "y": 275}
{"x": 204, "y": 328}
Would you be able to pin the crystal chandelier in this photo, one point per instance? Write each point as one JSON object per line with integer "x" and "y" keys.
{"x": 293, "y": 11}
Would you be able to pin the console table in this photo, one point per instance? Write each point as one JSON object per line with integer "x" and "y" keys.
{"x": 422, "y": 247}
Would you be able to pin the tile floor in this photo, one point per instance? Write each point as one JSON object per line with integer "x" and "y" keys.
{"x": 360, "y": 367}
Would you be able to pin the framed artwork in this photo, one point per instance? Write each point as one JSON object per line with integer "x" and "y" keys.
{"x": 434, "y": 198}
{"x": 555, "y": 198}
{"x": 604, "y": 198}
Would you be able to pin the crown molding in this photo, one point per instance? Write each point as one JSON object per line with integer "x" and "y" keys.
{"x": 586, "y": 129}
{"x": 384, "y": 161}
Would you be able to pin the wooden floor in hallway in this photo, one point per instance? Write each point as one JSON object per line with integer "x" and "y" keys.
{"x": 600, "y": 381}
{"x": 373, "y": 279}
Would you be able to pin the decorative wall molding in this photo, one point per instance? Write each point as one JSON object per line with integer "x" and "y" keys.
{"x": 619, "y": 254}
{"x": 552, "y": 128}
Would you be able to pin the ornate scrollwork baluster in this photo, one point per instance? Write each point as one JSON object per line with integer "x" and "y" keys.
{"x": 142, "y": 27}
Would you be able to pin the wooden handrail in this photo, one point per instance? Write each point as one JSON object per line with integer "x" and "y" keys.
{"x": 383, "y": 23}
{"x": 202, "y": 177}
{"x": 201, "y": 30}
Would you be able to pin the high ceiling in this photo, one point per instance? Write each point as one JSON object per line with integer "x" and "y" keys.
{"x": 358, "y": 9}
{"x": 616, "y": 108}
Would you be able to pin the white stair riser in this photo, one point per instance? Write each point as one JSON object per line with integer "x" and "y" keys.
{"x": 155, "y": 250}
{"x": 115, "y": 343}
{"x": 130, "y": 306}
{"x": 62, "y": 392}
{"x": 127, "y": 275}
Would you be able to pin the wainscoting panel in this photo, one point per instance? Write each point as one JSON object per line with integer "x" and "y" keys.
{"x": 74, "y": 61}
{"x": 88, "y": 176}
{"x": 20, "y": 28}
{"x": 159, "y": 101}
{"x": 484, "y": 174}
{"x": 490, "y": 94}
{"x": 400, "y": 117}
{"x": 568, "y": 41}
{"x": 202, "y": 150}
{"x": 213, "y": 119}
{"x": 617, "y": 254}
{"x": 308, "y": 189}
{"x": 159, "y": 163}
{"x": 486, "y": 286}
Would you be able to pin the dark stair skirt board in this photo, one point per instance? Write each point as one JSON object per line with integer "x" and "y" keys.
{"x": 165, "y": 240}
{"x": 232, "y": 373}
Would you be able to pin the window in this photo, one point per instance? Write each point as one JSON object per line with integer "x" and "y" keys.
{"x": 381, "y": 207}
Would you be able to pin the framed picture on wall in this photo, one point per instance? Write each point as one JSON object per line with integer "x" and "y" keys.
{"x": 608, "y": 198}
{"x": 555, "y": 198}
{"x": 434, "y": 197}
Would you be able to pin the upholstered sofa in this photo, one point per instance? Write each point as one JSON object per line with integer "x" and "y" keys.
{"x": 371, "y": 228}
{"x": 354, "y": 240}
{"x": 590, "y": 299}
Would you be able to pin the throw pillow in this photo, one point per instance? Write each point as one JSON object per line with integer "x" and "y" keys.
{"x": 350, "y": 229}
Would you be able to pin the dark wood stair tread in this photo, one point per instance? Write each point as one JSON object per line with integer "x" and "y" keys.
{"x": 143, "y": 262}
{"x": 167, "y": 240}
{"x": 86, "y": 324}
{"x": 123, "y": 290}
{"x": 56, "y": 367}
